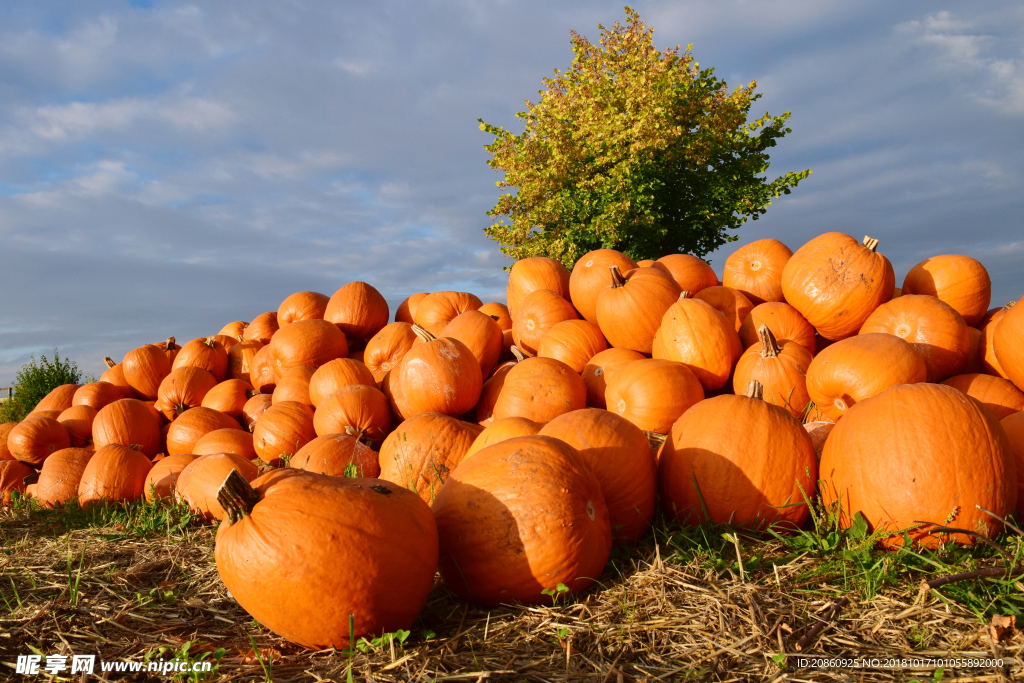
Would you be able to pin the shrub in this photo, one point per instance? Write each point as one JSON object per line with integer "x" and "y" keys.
{"x": 34, "y": 381}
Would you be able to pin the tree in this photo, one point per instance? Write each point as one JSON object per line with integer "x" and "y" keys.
{"x": 632, "y": 149}
{"x": 34, "y": 381}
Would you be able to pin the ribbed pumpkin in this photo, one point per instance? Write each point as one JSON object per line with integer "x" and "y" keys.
{"x": 77, "y": 420}
{"x": 228, "y": 397}
{"x": 372, "y": 548}
{"x": 293, "y": 385}
{"x": 974, "y": 359}
{"x": 226, "y": 440}
{"x": 932, "y": 327}
{"x": 302, "y": 306}
{"x": 960, "y": 281}
{"x": 987, "y": 345}
{"x": 114, "y": 474}
{"x": 530, "y": 274}
{"x": 919, "y": 453}
{"x": 440, "y": 308}
{"x": 424, "y": 450}
{"x": 521, "y": 517}
{"x": 502, "y": 430}
{"x": 163, "y": 476}
{"x": 590, "y": 277}
{"x": 200, "y": 480}
{"x": 836, "y": 282}
{"x": 540, "y": 389}
{"x": 536, "y": 313}
{"x": 359, "y": 310}
{"x": 33, "y": 439}
{"x": 995, "y": 393}
{"x": 184, "y": 388}
{"x": 60, "y": 398}
{"x": 334, "y": 454}
{"x": 696, "y": 335}
{"x": 492, "y": 388}
{"x": 97, "y": 394}
{"x": 254, "y": 408}
{"x": 114, "y": 374}
{"x": 1013, "y": 425}
{"x": 192, "y": 425}
{"x": 334, "y": 376}
{"x": 5, "y": 430}
{"x": 652, "y": 393}
{"x": 12, "y": 478}
{"x": 1008, "y": 342}
{"x": 482, "y": 336}
{"x": 144, "y": 368}
{"x": 690, "y": 273}
{"x": 387, "y": 348}
{"x": 358, "y": 410}
{"x": 780, "y": 368}
{"x": 857, "y": 368}
{"x": 407, "y": 309}
{"x": 738, "y": 459}
{"x": 60, "y": 476}
{"x": 574, "y": 342}
{"x": 282, "y": 430}
{"x": 234, "y": 329}
{"x": 439, "y": 376}
{"x": 783, "y": 320}
{"x": 819, "y": 431}
{"x": 499, "y": 313}
{"x": 52, "y": 414}
{"x": 262, "y": 328}
{"x": 205, "y": 352}
{"x": 599, "y": 370}
{"x": 756, "y": 269}
{"x": 630, "y": 312}
{"x": 240, "y": 358}
{"x": 620, "y": 456}
{"x": 732, "y": 304}
{"x": 306, "y": 342}
{"x": 128, "y": 422}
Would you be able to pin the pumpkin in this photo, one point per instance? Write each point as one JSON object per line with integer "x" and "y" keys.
{"x": 254, "y": 408}
{"x": 359, "y": 310}
{"x": 358, "y": 410}
{"x": 144, "y": 368}
{"x": 192, "y": 425}
{"x": 499, "y": 312}
{"x": 114, "y": 374}
{"x": 732, "y": 304}
{"x": 755, "y": 269}
{"x": 33, "y": 439}
{"x": 652, "y": 393}
{"x": 207, "y": 353}
{"x": 53, "y": 414}
{"x": 919, "y": 453}
{"x": 282, "y": 430}
{"x": 987, "y": 346}
{"x": 226, "y": 440}
{"x": 302, "y": 306}
{"x": 184, "y": 388}
{"x": 995, "y": 393}
{"x": 128, "y": 422}
{"x": 620, "y": 455}
{"x": 482, "y": 336}
{"x": 1008, "y": 342}
{"x": 5, "y": 430}
{"x": 306, "y": 342}
{"x": 60, "y": 476}
{"x": 228, "y": 397}
{"x": 538, "y": 312}
{"x": 783, "y": 320}
{"x": 540, "y": 389}
{"x": 780, "y": 368}
{"x": 199, "y": 481}
{"x": 502, "y": 430}
{"x": 860, "y": 367}
{"x": 436, "y": 310}
{"x": 387, "y": 348}
{"x": 530, "y": 274}
{"x": 334, "y": 376}
{"x": 492, "y": 388}
{"x": 97, "y": 394}
{"x": 407, "y": 309}
{"x": 439, "y": 376}
{"x": 262, "y": 328}
{"x": 690, "y": 273}
{"x": 423, "y": 451}
{"x": 294, "y": 385}
{"x": 1013, "y": 425}
{"x": 240, "y": 359}
{"x": 932, "y": 327}
{"x": 737, "y": 459}
{"x": 163, "y": 476}
{"x": 696, "y": 335}
{"x": 819, "y": 430}
{"x": 599, "y": 370}
{"x": 77, "y": 420}
{"x": 520, "y": 518}
{"x": 234, "y": 329}
{"x": 629, "y": 312}
{"x": 590, "y": 277}
{"x": 574, "y": 342}
{"x": 337, "y": 455}
{"x": 836, "y": 282}
{"x": 372, "y": 548}
{"x": 60, "y": 398}
{"x": 974, "y": 359}
{"x": 12, "y": 478}
{"x": 960, "y": 281}
{"x": 113, "y": 474}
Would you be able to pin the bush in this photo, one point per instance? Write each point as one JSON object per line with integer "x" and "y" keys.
{"x": 34, "y": 381}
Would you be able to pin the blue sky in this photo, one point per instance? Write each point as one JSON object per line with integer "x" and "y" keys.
{"x": 167, "y": 167}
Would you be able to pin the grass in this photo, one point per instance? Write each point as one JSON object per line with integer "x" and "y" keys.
{"x": 688, "y": 603}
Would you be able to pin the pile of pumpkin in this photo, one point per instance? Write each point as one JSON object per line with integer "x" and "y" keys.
{"x": 348, "y": 457}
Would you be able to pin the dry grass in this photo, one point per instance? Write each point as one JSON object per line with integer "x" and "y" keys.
{"x": 671, "y": 610}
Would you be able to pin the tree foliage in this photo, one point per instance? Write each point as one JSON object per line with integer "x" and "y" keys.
{"x": 633, "y": 149}
{"x": 34, "y": 381}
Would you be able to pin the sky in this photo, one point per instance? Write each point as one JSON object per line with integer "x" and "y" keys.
{"x": 168, "y": 167}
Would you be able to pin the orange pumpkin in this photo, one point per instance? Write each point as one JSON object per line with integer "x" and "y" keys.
{"x": 600, "y": 369}
{"x": 836, "y": 282}
{"x": 357, "y": 410}
{"x": 574, "y": 342}
{"x": 756, "y": 269}
{"x": 629, "y": 312}
{"x": 162, "y": 478}
{"x": 919, "y": 453}
{"x": 960, "y": 281}
{"x": 306, "y": 342}
{"x": 144, "y": 368}
{"x": 407, "y": 309}
{"x": 115, "y": 375}
{"x": 492, "y": 389}
{"x": 114, "y": 474}
{"x": 183, "y": 388}
{"x": 540, "y": 389}
{"x": 12, "y": 478}
{"x": 33, "y": 439}
{"x": 234, "y": 329}
{"x": 652, "y": 393}
{"x": 436, "y": 310}
{"x": 282, "y": 430}
{"x": 240, "y": 359}
{"x": 5, "y": 430}
{"x": 78, "y": 421}
{"x": 1008, "y": 342}
{"x": 387, "y": 348}
{"x": 60, "y": 476}
{"x": 590, "y": 277}
{"x": 819, "y": 431}
{"x": 780, "y": 368}
{"x": 199, "y": 481}
{"x": 1013, "y": 425}
{"x": 226, "y": 440}
{"x": 690, "y": 273}
{"x": 60, "y": 398}
{"x": 987, "y": 346}
{"x": 499, "y": 312}
{"x": 128, "y": 422}
{"x": 423, "y": 451}
{"x": 974, "y": 359}
{"x": 228, "y": 397}
{"x": 97, "y": 394}
{"x": 359, "y": 310}
{"x": 538, "y": 312}
{"x": 502, "y": 430}
{"x": 932, "y": 327}
{"x": 192, "y": 425}
{"x": 995, "y": 393}
{"x": 302, "y": 306}
{"x": 334, "y": 454}
{"x": 482, "y": 336}
{"x": 519, "y": 518}
{"x": 254, "y": 408}
{"x": 208, "y": 353}
{"x": 696, "y": 335}
{"x": 783, "y": 320}
{"x": 262, "y": 328}
{"x": 441, "y": 376}
{"x": 334, "y": 376}
{"x": 732, "y": 304}
{"x": 530, "y": 274}
{"x": 294, "y": 385}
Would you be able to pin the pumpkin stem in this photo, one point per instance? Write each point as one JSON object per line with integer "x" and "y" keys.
{"x": 617, "y": 279}
{"x": 769, "y": 345}
{"x": 870, "y": 242}
{"x": 755, "y": 390}
{"x": 1009, "y": 306}
{"x": 179, "y": 408}
{"x": 357, "y": 433}
{"x": 31, "y": 479}
{"x": 241, "y": 338}
{"x": 423, "y": 334}
{"x": 656, "y": 440}
{"x": 683, "y": 295}
{"x": 518, "y": 353}
{"x": 169, "y": 344}
{"x": 109, "y": 361}
{"x": 237, "y": 496}
{"x": 210, "y": 341}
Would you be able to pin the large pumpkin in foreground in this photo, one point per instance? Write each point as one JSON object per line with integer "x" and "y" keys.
{"x": 369, "y": 551}
{"x": 919, "y": 453}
